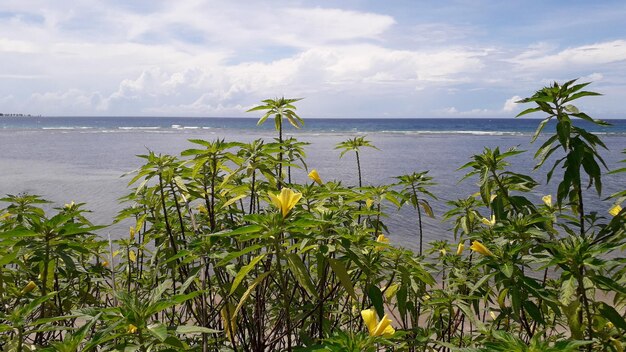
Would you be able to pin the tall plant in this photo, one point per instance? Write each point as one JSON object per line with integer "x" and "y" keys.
{"x": 279, "y": 108}
{"x": 581, "y": 154}
{"x": 414, "y": 188}
{"x": 579, "y": 145}
{"x": 354, "y": 145}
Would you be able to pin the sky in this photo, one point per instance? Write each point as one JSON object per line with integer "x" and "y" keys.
{"x": 349, "y": 58}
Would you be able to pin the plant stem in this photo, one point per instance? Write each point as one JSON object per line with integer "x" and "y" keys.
{"x": 358, "y": 166}
{"x": 279, "y": 184}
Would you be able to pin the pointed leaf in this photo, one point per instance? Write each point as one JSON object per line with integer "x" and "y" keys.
{"x": 342, "y": 274}
{"x": 301, "y": 273}
{"x": 244, "y": 271}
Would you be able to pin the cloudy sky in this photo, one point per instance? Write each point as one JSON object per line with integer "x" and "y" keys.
{"x": 349, "y": 58}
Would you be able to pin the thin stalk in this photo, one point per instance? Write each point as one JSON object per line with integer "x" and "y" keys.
{"x": 419, "y": 217}
{"x": 419, "y": 221}
{"x": 178, "y": 211}
{"x": 213, "y": 176}
{"x": 20, "y": 338}
{"x": 252, "y": 184}
{"x": 280, "y": 153}
{"x": 585, "y": 301}
{"x": 44, "y": 280}
{"x": 168, "y": 228}
{"x": 581, "y": 209}
{"x": 358, "y": 166}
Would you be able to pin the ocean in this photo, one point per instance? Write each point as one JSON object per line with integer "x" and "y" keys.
{"x": 82, "y": 159}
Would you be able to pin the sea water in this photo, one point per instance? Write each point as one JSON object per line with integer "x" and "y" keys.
{"x": 82, "y": 159}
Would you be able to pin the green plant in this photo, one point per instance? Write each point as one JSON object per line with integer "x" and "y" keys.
{"x": 279, "y": 108}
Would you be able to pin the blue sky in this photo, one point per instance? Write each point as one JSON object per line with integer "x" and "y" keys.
{"x": 350, "y": 58}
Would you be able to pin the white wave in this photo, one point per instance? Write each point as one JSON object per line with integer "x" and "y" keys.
{"x": 139, "y": 127}
{"x": 476, "y": 133}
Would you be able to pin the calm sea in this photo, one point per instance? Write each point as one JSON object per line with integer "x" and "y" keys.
{"x": 82, "y": 159}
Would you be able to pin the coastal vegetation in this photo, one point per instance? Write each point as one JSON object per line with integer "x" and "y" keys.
{"x": 226, "y": 253}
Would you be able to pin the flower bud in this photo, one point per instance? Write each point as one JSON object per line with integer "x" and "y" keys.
{"x": 29, "y": 287}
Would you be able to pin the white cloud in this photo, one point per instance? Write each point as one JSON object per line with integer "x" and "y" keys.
{"x": 7, "y": 99}
{"x": 594, "y": 77}
{"x": 17, "y": 46}
{"x": 510, "y": 104}
{"x": 585, "y": 55}
{"x": 72, "y": 101}
{"x": 202, "y": 57}
{"x": 321, "y": 26}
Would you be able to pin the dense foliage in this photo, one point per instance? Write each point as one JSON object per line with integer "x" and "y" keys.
{"x": 226, "y": 253}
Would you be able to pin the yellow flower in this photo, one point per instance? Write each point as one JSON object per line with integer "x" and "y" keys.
{"x": 375, "y": 327}
{"x": 368, "y": 203}
{"x": 132, "y": 256}
{"x": 286, "y": 200}
{"x": 381, "y": 239}
{"x": 313, "y": 175}
{"x": 5, "y": 216}
{"x": 105, "y": 263}
{"x": 131, "y": 329}
{"x": 443, "y": 251}
{"x": 460, "y": 248}
{"x": 492, "y": 315}
{"x": 489, "y": 223}
{"x": 547, "y": 200}
{"x": 480, "y": 248}
{"x": 29, "y": 287}
{"x": 132, "y": 233}
{"x": 69, "y": 205}
{"x": 615, "y": 210}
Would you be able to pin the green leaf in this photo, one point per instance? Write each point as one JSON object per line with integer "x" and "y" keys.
{"x": 159, "y": 331}
{"x": 342, "y": 275}
{"x": 563, "y": 131}
{"x": 192, "y": 329}
{"x": 301, "y": 273}
{"x": 174, "y": 342}
{"x": 233, "y": 255}
{"x": 480, "y": 283}
{"x": 527, "y": 111}
{"x": 606, "y": 283}
{"x": 244, "y": 271}
{"x": 17, "y": 233}
{"x": 580, "y": 95}
{"x": 181, "y": 184}
{"x": 241, "y": 231}
{"x": 401, "y": 297}
{"x": 233, "y": 200}
{"x": 245, "y": 295}
{"x": 568, "y": 290}
{"x": 571, "y": 312}
{"x": 376, "y": 296}
{"x": 7, "y": 258}
{"x": 534, "y": 311}
{"x": 427, "y": 209}
{"x": 507, "y": 269}
{"x": 612, "y": 315}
